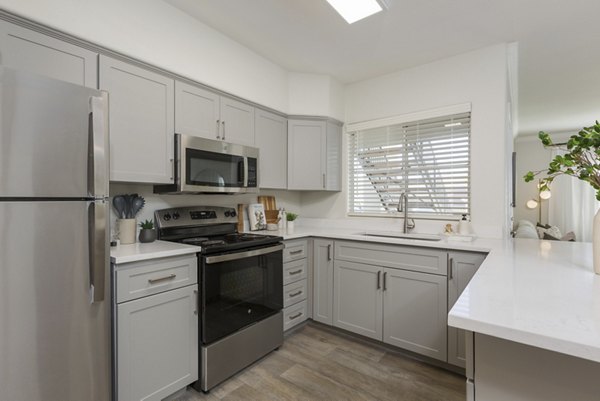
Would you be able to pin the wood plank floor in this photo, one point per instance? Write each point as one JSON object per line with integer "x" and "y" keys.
{"x": 317, "y": 364}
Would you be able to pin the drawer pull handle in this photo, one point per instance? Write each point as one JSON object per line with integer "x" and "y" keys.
{"x": 296, "y": 252}
{"x": 295, "y": 272}
{"x": 158, "y": 280}
{"x": 297, "y": 315}
{"x": 296, "y": 294}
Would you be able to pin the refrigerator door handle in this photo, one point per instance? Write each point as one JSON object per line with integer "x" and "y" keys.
{"x": 97, "y": 249}
{"x": 98, "y": 146}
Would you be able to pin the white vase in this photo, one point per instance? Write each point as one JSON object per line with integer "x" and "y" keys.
{"x": 127, "y": 230}
{"x": 596, "y": 242}
{"x": 290, "y": 227}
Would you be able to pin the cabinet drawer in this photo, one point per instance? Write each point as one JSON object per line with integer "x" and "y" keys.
{"x": 294, "y": 315}
{"x": 295, "y": 271}
{"x": 294, "y": 293}
{"x": 395, "y": 256}
{"x": 295, "y": 250}
{"x": 139, "y": 279}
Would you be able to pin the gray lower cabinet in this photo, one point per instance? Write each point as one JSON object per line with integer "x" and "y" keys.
{"x": 323, "y": 281}
{"x": 414, "y": 312}
{"x": 142, "y": 109}
{"x": 358, "y": 302}
{"x": 295, "y": 283}
{"x": 462, "y": 266}
{"x": 156, "y": 332}
{"x": 24, "y": 49}
{"x": 271, "y": 140}
{"x": 322, "y": 141}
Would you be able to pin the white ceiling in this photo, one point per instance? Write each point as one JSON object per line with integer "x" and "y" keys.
{"x": 559, "y": 57}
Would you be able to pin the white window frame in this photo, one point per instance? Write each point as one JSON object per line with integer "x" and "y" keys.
{"x": 397, "y": 120}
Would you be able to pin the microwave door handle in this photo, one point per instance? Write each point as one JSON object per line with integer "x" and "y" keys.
{"x": 245, "y": 172}
{"x": 241, "y": 255}
{"x": 98, "y": 146}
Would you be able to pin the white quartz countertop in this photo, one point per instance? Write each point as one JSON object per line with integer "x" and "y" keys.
{"x": 154, "y": 250}
{"x": 540, "y": 293}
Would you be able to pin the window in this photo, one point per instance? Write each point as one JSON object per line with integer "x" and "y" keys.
{"x": 427, "y": 159}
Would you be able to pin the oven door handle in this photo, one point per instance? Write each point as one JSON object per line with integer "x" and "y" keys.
{"x": 241, "y": 255}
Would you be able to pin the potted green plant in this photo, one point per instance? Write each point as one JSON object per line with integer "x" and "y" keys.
{"x": 147, "y": 233}
{"x": 290, "y": 217}
{"x": 581, "y": 159}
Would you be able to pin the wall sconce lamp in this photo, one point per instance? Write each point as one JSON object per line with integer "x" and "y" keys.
{"x": 543, "y": 194}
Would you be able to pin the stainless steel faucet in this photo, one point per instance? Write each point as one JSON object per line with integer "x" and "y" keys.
{"x": 409, "y": 224}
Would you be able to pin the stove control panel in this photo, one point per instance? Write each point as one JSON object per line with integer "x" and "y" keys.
{"x": 194, "y": 216}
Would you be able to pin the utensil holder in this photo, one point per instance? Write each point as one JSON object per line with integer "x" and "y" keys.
{"x": 127, "y": 229}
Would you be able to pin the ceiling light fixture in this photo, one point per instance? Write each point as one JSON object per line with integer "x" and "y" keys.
{"x": 355, "y": 10}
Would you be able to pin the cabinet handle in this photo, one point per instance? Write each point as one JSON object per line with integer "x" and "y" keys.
{"x": 329, "y": 252}
{"x": 295, "y": 316}
{"x": 296, "y": 252}
{"x": 197, "y": 302}
{"x": 158, "y": 280}
{"x": 172, "y": 169}
{"x": 295, "y": 272}
{"x": 218, "y": 128}
{"x": 379, "y": 279}
{"x": 451, "y": 265}
{"x": 324, "y": 185}
{"x": 223, "y": 123}
{"x": 385, "y": 281}
{"x": 295, "y": 294}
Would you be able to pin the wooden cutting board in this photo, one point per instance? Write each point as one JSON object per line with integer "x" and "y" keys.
{"x": 268, "y": 202}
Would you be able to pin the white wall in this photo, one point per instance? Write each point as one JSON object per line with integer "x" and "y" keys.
{"x": 316, "y": 95}
{"x": 478, "y": 77}
{"x": 159, "y": 34}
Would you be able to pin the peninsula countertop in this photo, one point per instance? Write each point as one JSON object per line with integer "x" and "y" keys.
{"x": 540, "y": 293}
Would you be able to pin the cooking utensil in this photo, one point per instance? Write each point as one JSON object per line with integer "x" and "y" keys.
{"x": 119, "y": 205}
{"x": 138, "y": 204}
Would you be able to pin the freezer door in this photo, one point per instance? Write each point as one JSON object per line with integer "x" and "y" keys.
{"x": 53, "y": 138}
{"x": 54, "y": 341}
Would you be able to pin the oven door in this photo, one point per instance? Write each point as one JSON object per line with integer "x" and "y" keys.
{"x": 239, "y": 289}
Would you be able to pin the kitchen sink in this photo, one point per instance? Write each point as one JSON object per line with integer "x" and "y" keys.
{"x": 392, "y": 234}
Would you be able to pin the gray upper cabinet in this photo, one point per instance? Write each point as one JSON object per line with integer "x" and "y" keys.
{"x": 314, "y": 155}
{"x": 462, "y": 267}
{"x": 200, "y": 112}
{"x": 415, "y": 315}
{"x": 271, "y": 140}
{"x": 28, "y": 50}
{"x": 142, "y": 109}
{"x": 323, "y": 281}
{"x": 196, "y": 111}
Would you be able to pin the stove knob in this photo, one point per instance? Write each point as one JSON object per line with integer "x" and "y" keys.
{"x": 233, "y": 213}
{"x": 227, "y": 213}
{"x": 175, "y": 216}
{"x": 167, "y": 217}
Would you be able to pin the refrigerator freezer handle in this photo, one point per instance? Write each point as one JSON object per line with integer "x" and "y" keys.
{"x": 97, "y": 249}
{"x": 98, "y": 146}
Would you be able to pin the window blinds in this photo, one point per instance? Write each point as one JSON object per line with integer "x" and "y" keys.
{"x": 427, "y": 159}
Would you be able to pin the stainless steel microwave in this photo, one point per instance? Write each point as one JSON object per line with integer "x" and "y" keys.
{"x": 209, "y": 166}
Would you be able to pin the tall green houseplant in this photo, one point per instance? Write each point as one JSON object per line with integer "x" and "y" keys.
{"x": 580, "y": 160}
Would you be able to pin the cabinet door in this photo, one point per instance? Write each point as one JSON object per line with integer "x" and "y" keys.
{"x": 237, "y": 122}
{"x": 323, "y": 281}
{"x": 196, "y": 111}
{"x": 307, "y": 141}
{"x": 157, "y": 344}
{"x": 141, "y": 122}
{"x": 357, "y": 303}
{"x": 28, "y": 50}
{"x": 415, "y": 312}
{"x": 461, "y": 269}
{"x": 334, "y": 157}
{"x": 271, "y": 139}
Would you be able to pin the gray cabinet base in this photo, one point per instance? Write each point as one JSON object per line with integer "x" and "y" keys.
{"x": 224, "y": 358}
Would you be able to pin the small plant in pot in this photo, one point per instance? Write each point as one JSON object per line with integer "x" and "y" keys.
{"x": 290, "y": 217}
{"x": 147, "y": 233}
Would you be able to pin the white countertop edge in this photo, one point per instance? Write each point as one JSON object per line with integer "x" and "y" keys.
{"x": 158, "y": 249}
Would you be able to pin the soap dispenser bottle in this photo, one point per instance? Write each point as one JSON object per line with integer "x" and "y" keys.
{"x": 464, "y": 226}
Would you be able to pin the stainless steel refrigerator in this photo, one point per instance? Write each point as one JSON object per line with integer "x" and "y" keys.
{"x": 55, "y": 342}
